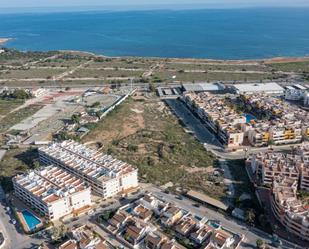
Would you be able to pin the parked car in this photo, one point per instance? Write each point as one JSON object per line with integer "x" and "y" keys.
{"x": 196, "y": 205}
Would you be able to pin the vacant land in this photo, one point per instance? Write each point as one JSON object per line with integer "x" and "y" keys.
{"x": 210, "y": 76}
{"x": 217, "y": 66}
{"x": 144, "y": 133}
{"x": 300, "y": 67}
{"x": 7, "y": 105}
{"x": 41, "y": 73}
{"x": 17, "y": 58}
{"x": 104, "y": 73}
{"x": 38, "y": 68}
{"x": 15, "y": 117}
{"x": 16, "y": 161}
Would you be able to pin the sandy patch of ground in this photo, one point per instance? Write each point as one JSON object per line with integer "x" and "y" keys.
{"x": 137, "y": 111}
{"x": 285, "y": 60}
{"x": 209, "y": 169}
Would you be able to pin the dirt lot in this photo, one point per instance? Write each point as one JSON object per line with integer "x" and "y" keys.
{"x": 17, "y": 116}
{"x": 144, "y": 133}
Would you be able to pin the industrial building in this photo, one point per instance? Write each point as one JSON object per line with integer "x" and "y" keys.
{"x": 268, "y": 88}
{"x": 203, "y": 87}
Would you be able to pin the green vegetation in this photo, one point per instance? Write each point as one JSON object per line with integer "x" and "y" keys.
{"x": 147, "y": 135}
{"x": 16, "y": 161}
{"x": 250, "y": 216}
{"x": 16, "y": 94}
{"x": 17, "y": 58}
{"x": 105, "y": 216}
{"x": 299, "y": 67}
{"x": 15, "y": 117}
{"x": 304, "y": 195}
{"x": 7, "y": 105}
{"x": 102, "y": 73}
{"x": 29, "y": 73}
{"x": 241, "y": 180}
{"x": 259, "y": 243}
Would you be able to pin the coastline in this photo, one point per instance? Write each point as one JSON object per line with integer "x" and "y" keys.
{"x": 271, "y": 60}
{"x": 280, "y": 59}
{"x": 4, "y": 40}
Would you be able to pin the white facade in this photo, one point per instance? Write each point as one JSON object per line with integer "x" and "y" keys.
{"x": 106, "y": 175}
{"x": 52, "y": 192}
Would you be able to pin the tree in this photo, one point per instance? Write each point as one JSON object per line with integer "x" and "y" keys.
{"x": 132, "y": 147}
{"x": 250, "y": 216}
{"x": 75, "y": 118}
{"x": 259, "y": 243}
{"x": 20, "y": 94}
{"x": 36, "y": 164}
{"x": 152, "y": 88}
{"x": 59, "y": 232}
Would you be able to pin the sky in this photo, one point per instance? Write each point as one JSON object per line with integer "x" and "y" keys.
{"x": 151, "y": 3}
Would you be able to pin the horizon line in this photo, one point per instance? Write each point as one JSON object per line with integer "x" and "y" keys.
{"x": 94, "y": 8}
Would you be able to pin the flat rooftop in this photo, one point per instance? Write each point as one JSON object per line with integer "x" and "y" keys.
{"x": 88, "y": 161}
{"x": 50, "y": 183}
{"x": 258, "y": 87}
{"x": 203, "y": 87}
{"x": 206, "y": 199}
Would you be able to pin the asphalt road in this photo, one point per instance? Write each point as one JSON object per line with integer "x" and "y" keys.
{"x": 206, "y": 137}
{"x": 13, "y": 234}
{"x": 192, "y": 122}
{"x": 251, "y": 233}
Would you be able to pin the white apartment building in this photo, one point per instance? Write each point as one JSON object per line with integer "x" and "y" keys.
{"x": 52, "y": 192}
{"x": 270, "y": 165}
{"x": 290, "y": 211}
{"x": 106, "y": 175}
{"x": 225, "y": 122}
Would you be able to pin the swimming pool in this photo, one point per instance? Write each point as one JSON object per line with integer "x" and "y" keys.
{"x": 30, "y": 219}
{"x": 249, "y": 117}
{"x": 213, "y": 224}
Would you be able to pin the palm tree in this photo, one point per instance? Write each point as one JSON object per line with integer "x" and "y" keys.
{"x": 259, "y": 243}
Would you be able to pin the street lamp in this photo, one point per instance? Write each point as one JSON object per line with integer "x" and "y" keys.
{"x": 246, "y": 150}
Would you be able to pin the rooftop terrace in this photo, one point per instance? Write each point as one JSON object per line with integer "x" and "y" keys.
{"x": 50, "y": 183}
{"x": 90, "y": 162}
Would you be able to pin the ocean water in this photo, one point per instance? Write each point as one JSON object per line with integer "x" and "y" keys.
{"x": 218, "y": 34}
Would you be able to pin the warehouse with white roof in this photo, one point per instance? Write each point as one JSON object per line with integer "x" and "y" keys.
{"x": 268, "y": 88}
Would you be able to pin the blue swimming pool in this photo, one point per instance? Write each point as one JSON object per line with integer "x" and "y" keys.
{"x": 249, "y": 117}
{"x": 213, "y": 224}
{"x": 30, "y": 219}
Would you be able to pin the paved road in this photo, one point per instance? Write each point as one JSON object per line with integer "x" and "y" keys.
{"x": 251, "y": 234}
{"x": 192, "y": 122}
{"x": 206, "y": 137}
{"x": 13, "y": 235}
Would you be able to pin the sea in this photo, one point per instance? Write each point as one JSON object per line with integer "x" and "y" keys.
{"x": 252, "y": 33}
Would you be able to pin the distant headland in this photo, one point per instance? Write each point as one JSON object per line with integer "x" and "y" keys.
{"x": 4, "y": 40}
